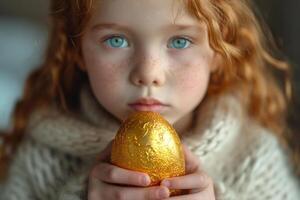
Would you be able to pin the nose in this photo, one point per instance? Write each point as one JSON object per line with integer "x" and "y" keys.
{"x": 148, "y": 71}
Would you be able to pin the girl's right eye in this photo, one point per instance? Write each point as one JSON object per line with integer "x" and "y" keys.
{"x": 116, "y": 42}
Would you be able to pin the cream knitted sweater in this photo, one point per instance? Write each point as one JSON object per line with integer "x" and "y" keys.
{"x": 244, "y": 159}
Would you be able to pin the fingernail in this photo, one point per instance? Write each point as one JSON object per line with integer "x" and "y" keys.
{"x": 145, "y": 180}
{"x": 166, "y": 183}
{"x": 163, "y": 193}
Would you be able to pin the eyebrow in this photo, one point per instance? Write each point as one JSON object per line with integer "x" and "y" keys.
{"x": 173, "y": 27}
{"x": 110, "y": 26}
{"x": 184, "y": 27}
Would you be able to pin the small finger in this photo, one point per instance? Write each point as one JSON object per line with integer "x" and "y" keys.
{"x": 187, "y": 197}
{"x": 128, "y": 193}
{"x": 93, "y": 189}
{"x": 116, "y": 175}
{"x": 199, "y": 181}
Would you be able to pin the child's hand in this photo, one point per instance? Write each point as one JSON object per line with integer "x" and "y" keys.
{"x": 107, "y": 181}
{"x": 197, "y": 182}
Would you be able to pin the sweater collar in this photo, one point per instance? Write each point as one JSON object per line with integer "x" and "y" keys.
{"x": 215, "y": 121}
{"x": 218, "y": 119}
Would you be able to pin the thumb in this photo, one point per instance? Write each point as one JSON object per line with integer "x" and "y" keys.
{"x": 191, "y": 161}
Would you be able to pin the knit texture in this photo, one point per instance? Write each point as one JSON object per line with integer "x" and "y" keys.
{"x": 244, "y": 159}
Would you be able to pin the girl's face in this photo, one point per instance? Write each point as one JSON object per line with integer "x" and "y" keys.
{"x": 147, "y": 55}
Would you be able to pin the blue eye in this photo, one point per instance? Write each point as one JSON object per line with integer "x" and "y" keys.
{"x": 180, "y": 43}
{"x": 117, "y": 42}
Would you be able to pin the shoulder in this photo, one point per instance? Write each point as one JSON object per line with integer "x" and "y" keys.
{"x": 43, "y": 163}
{"x": 262, "y": 144}
{"x": 44, "y": 169}
{"x": 256, "y": 165}
{"x": 69, "y": 133}
{"x": 39, "y": 154}
{"x": 258, "y": 148}
{"x": 270, "y": 172}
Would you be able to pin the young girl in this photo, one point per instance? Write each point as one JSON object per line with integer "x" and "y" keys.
{"x": 202, "y": 64}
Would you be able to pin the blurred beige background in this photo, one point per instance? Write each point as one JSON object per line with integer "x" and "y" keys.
{"x": 23, "y": 36}
{"x": 33, "y": 10}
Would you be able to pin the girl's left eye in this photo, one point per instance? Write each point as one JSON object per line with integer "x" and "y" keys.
{"x": 179, "y": 43}
{"x": 117, "y": 42}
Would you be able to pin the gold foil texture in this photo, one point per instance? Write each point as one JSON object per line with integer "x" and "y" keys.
{"x": 147, "y": 143}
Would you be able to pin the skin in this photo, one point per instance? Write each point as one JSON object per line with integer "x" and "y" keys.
{"x": 148, "y": 66}
{"x": 151, "y": 59}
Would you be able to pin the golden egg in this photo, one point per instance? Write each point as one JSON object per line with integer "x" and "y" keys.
{"x": 147, "y": 143}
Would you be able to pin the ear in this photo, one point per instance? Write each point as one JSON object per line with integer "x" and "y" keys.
{"x": 216, "y": 62}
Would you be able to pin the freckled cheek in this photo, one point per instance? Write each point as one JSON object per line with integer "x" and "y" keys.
{"x": 193, "y": 85}
{"x": 191, "y": 77}
{"x": 188, "y": 81}
{"x": 104, "y": 73}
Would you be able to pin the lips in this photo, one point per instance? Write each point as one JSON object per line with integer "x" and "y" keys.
{"x": 148, "y": 104}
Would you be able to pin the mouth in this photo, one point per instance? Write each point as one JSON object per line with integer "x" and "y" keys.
{"x": 148, "y": 104}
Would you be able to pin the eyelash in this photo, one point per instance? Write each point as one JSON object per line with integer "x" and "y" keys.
{"x": 173, "y": 38}
{"x": 184, "y": 37}
{"x": 112, "y": 36}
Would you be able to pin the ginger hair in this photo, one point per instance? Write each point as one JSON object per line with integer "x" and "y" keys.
{"x": 234, "y": 33}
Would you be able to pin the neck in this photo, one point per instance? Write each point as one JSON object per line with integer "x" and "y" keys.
{"x": 184, "y": 124}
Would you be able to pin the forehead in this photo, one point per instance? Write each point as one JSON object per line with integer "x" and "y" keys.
{"x": 148, "y": 12}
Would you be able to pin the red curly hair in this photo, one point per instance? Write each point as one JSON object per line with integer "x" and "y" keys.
{"x": 234, "y": 33}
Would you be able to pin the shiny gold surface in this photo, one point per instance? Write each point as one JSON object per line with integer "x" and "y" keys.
{"x": 146, "y": 142}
